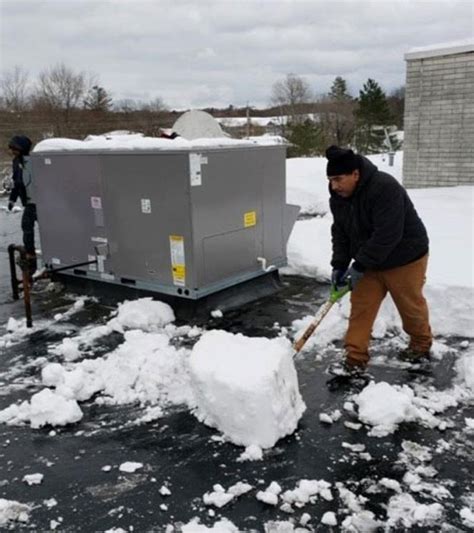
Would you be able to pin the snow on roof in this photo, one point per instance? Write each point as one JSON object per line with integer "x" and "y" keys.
{"x": 442, "y": 49}
{"x": 138, "y": 142}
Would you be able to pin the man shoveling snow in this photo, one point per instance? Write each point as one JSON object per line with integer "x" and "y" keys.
{"x": 379, "y": 246}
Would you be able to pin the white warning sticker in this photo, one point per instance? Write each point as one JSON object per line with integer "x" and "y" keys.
{"x": 178, "y": 265}
{"x": 195, "y": 169}
{"x": 47, "y": 161}
{"x": 146, "y": 205}
{"x": 96, "y": 202}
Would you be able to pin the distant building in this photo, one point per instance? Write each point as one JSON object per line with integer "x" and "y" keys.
{"x": 439, "y": 116}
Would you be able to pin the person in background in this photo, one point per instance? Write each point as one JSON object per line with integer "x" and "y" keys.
{"x": 379, "y": 246}
{"x": 20, "y": 147}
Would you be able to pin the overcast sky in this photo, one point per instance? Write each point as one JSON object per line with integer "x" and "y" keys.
{"x": 215, "y": 53}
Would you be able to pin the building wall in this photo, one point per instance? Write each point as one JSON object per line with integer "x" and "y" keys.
{"x": 439, "y": 121}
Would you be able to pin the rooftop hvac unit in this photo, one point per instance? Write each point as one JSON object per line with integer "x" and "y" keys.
{"x": 176, "y": 217}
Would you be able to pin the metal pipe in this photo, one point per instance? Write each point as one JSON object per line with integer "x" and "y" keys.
{"x": 54, "y": 270}
{"x": 14, "y": 279}
{"x": 27, "y": 293}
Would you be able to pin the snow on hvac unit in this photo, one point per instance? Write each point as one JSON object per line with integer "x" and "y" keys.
{"x": 175, "y": 217}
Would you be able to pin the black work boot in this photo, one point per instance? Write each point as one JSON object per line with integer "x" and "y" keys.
{"x": 347, "y": 369}
{"x": 414, "y": 356}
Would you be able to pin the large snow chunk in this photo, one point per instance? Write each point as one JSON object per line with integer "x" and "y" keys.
{"x": 384, "y": 406}
{"x": 145, "y": 314}
{"x": 13, "y": 511}
{"x": 45, "y": 407}
{"x": 246, "y": 387}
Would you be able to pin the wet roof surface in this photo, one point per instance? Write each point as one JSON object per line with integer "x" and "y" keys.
{"x": 178, "y": 451}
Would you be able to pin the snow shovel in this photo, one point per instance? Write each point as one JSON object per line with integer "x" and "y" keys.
{"x": 334, "y": 296}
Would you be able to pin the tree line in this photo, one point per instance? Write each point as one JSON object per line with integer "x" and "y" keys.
{"x": 63, "y": 102}
{"x": 313, "y": 123}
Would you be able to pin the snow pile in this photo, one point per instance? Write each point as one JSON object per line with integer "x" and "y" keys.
{"x": 384, "y": 407}
{"x": 404, "y": 510}
{"x": 12, "y": 511}
{"x": 144, "y": 369}
{"x": 307, "y": 491}
{"x": 246, "y": 387}
{"x": 45, "y": 407}
{"x": 220, "y": 497}
{"x": 145, "y": 314}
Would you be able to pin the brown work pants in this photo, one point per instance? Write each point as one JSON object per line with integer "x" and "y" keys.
{"x": 405, "y": 285}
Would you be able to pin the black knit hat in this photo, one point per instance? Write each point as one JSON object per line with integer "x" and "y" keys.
{"x": 21, "y": 143}
{"x": 341, "y": 161}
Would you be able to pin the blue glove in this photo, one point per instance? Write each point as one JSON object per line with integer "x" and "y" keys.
{"x": 352, "y": 276}
{"x": 337, "y": 278}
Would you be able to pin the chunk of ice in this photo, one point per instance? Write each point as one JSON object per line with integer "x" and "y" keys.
{"x": 246, "y": 387}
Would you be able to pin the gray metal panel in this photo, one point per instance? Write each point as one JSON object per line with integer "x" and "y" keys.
{"x": 139, "y": 241}
{"x": 274, "y": 200}
{"x": 231, "y": 187}
{"x": 65, "y": 186}
{"x": 228, "y": 254}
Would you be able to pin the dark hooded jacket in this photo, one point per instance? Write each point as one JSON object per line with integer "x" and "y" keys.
{"x": 19, "y": 189}
{"x": 377, "y": 226}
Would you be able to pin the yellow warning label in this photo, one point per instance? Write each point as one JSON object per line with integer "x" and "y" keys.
{"x": 179, "y": 274}
{"x": 250, "y": 219}
{"x": 178, "y": 264}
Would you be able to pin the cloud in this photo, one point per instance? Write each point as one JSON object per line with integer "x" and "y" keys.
{"x": 207, "y": 52}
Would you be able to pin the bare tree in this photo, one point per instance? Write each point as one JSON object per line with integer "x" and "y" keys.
{"x": 155, "y": 106}
{"x": 59, "y": 92}
{"x": 14, "y": 86}
{"x": 126, "y": 105}
{"x": 289, "y": 94}
{"x": 61, "y": 88}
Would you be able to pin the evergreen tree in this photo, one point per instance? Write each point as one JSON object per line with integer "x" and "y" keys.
{"x": 307, "y": 139}
{"x": 339, "y": 119}
{"x": 372, "y": 116}
{"x": 97, "y": 99}
{"x": 338, "y": 91}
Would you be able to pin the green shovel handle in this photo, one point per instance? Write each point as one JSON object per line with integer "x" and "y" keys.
{"x": 337, "y": 293}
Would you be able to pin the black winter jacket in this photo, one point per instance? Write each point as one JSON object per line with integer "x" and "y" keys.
{"x": 377, "y": 226}
{"x": 18, "y": 189}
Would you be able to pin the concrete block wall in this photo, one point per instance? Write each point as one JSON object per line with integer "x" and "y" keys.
{"x": 439, "y": 121}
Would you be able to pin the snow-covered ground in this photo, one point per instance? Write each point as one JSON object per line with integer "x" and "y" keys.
{"x": 247, "y": 388}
